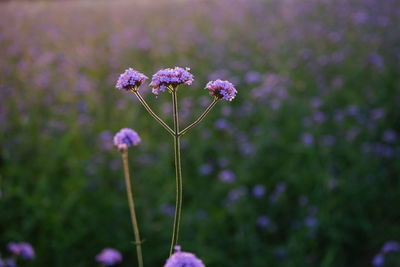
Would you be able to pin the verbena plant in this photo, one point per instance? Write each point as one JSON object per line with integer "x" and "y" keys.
{"x": 164, "y": 80}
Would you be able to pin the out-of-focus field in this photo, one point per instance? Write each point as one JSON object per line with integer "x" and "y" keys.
{"x": 301, "y": 169}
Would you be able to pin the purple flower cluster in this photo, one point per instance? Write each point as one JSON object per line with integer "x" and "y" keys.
{"x": 23, "y": 249}
{"x": 222, "y": 89}
{"x": 130, "y": 79}
{"x": 109, "y": 257}
{"x": 170, "y": 77}
{"x": 125, "y": 138}
{"x": 390, "y": 246}
{"x": 180, "y": 259}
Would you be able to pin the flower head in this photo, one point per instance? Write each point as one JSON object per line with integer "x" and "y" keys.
{"x": 180, "y": 259}
{"x": 222, "y": 89}
{"x": 23, "y": 249}
{"x": 125, "y": 138}
{"x": 109, "y": 257}
{"x": 170, "y": 77}
{"x": 130, "y": 80}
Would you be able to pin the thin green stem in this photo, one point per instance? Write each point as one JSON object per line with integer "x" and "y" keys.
{"x": 132, "y": 208}
{"x": 152, "y": 113}
{"x": 208, "y": 109}
{"x": 178, "y": 173}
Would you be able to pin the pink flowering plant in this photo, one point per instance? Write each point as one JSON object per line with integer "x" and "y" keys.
{"x": 166, "y": 80}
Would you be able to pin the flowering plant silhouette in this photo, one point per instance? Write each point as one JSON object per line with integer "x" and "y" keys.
{"x": 166, "y": 80}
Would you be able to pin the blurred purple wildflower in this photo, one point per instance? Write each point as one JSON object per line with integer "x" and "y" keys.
{"x": 167, "y": 209}
{"x": 105, "y": 139}
{"x": 281, "y": 253}
{"x": 328, "y": 140}
{"x": 339, "y": 115}
{"x": 377, "y": 114}
{"x": 258, "y": 191}
{"x": 303, "y": 200}
{"x": 389, "y": 136}
{"x": 181, "y": 259}
{"x": 222, "y": 124}
{"x": 279, "y": 190}
{"x": 130, "y": 79}
{"x": 382, "y": 150}
{"x": 23, "y": 249}
{"x": 126, "y": 137}
{"x": 253, "y": 77}
{"x": 316, "y": 102}
{"x": 311, "y": 222}
{"x": 307, "y": 139}
{"x": 223, "y": 162}
{"x": 378, "y": 260}
{"x": 205, "y": 169}
{"x": 227, "y": 176}
{"x": 376, "y": 60}
{"x": 263, "y": 221}
{"x": 2, "y": 264}
{"x": 236, "y": 194}
{"x": 170, "y": 77}
{"x": 109, "y": 257}
{"x": 221, "y": 89}
{"x": 390, "y": 246}
{"x": 27, "y": 251}
{"x": 319, "y": 117}
{"x": 360, "y": 17}
{"x": 332, "y": 183}
{"x": 10, "y": 263}
{"x": 246, "y": 148}
{"x": 13, "y": 247}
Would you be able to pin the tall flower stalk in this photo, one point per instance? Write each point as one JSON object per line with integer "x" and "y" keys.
{"x": 123, "y": 139}
{"x": 170, "y": 80}
{"x": 132, "y": 208}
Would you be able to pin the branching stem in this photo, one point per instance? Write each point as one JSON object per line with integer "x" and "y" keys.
{"x": 152, "y": 113}
{"x": 208, "y": 109}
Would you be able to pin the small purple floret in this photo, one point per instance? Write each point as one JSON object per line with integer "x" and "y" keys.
{"x": 222, "y": 89}
{"x": 170, "y": 77}
{"x": 126, "y": 137}
{"x": 130, "y": 79}
{"x": 180, "y": 259}
{"x": 109, "y": 257}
